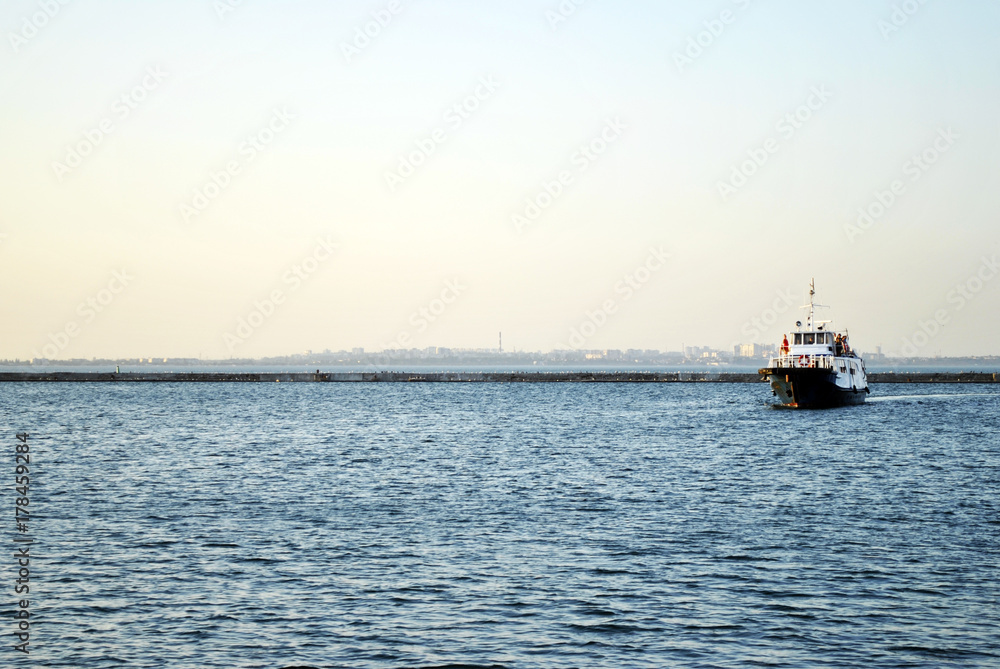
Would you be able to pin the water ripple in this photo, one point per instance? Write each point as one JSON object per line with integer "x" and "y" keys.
{"x": 486, "y": 526}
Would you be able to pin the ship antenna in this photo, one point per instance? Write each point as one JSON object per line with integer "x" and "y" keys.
{"x": 811, "y": 323}
{"x": 812, "y": 306}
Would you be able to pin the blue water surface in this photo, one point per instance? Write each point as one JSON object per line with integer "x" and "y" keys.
{"x": 505, "y": 525}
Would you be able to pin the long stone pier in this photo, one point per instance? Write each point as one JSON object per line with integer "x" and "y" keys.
{"x": 460, "y": 377}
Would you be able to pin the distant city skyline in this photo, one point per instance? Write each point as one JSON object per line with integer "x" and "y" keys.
{"x": 248, "y": 179}
{"x": 746, "y": 354}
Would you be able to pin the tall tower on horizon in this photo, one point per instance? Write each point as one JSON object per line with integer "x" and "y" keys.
{"x": 501, "y": 343}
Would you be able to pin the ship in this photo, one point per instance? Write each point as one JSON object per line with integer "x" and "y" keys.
{"x": 816, "y": 368}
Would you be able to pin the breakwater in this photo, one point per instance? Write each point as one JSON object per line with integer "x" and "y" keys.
{"x": 460, "y": 377}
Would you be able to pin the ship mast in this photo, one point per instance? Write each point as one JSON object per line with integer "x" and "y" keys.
{"x": 812, "y": 306}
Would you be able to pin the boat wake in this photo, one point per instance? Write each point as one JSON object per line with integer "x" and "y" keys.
{"x": 935, "y": 396}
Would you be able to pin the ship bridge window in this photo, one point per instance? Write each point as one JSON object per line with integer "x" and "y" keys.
{"x": 810, "y": 338}
{"x": 798, "y": 339}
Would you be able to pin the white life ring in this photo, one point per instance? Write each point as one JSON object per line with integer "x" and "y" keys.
{"x": 804, "y": 361}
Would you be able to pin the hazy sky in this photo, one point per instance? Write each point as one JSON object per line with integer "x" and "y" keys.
{"x": 252, "y": 178}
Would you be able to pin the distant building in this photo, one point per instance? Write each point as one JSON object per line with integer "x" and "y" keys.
{"x": 702, "y": 353}
{"x": 754, "y": 350}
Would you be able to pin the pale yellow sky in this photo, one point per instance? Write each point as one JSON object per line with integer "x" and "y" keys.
{"x": 536, "y": 167}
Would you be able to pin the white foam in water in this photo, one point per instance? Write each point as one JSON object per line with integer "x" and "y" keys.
{"x": 889, "y": 398}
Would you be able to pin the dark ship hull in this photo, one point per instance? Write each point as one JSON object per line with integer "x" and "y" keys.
{"x": 808, "y": 388}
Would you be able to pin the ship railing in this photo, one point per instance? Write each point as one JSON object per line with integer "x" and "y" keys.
{"x": 803, "y": 361}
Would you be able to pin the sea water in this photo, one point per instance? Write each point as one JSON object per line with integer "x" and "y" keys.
{"x": 503, "y": 525}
